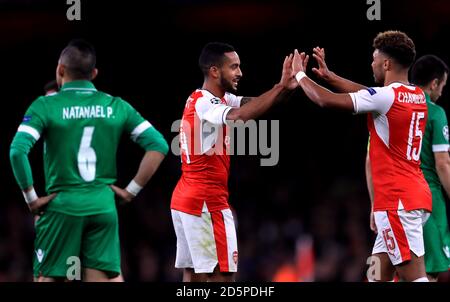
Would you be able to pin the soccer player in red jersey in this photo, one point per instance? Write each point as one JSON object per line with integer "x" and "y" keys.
{"x": 203, "y": 222}
{"x": 397, "y": 114}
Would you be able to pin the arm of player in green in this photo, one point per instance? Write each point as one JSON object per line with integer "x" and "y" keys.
{"x": 18, "y": 154}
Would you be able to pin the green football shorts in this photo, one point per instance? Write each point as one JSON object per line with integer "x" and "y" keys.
{"x": 436, "y": 235}
{"x": 63, "y": 241}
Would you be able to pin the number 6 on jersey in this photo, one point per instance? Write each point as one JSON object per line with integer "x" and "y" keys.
{"x": 87, "y": 158}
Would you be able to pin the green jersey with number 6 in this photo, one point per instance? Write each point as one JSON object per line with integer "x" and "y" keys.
{"x": 81, "y": 128}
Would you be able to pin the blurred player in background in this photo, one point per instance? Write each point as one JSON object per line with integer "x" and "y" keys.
{"x": 430, "y": 74}
{"x": 81, "y": 127}
{"x": 397, "y": 114}
{"x": 51, "y": 88}
{"x": 204, "y": 226}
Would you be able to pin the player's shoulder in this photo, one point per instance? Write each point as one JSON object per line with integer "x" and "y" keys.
{"x": 41, "y": 100}
{"x": 435, "y": 109}
{"x": 376, "y": 92}
{"x": 204, "y": 96}
{"x": 229, "y": 95}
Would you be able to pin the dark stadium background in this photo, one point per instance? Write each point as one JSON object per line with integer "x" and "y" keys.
{"x": 147, "y": 54}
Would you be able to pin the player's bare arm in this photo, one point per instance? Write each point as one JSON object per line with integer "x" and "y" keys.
{"x": 442, "y": 160}
{"x": 339, "y": 83}
{"x": 245, "y": 100}
{"x": 148, "y": 166}
{"x": 259, "y": 105}
{"x": 373, "y": 227}
{"x": 318, "y": 94}
{"x": 37, "y": 204}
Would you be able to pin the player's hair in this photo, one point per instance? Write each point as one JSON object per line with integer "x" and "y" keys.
{"x": 213, "y": 55}
{"x": 79, "y": 59}
{"x": 52, "y": 85}
{"x": 397, "y": 45}
{"x": 426, "y": 69}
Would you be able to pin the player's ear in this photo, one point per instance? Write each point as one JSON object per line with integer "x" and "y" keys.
{"x": 387, "y": 65}
{"x": 60, "y": 70}
{"x": 214, "y": 72}
{"x": 94, "y": 73}
{"x": 434, "y": 84}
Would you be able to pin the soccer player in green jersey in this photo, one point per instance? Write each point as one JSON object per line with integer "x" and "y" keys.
{"x": 81, "y": 128}
{"x": 51, "y": 87}
{"x": 430, "y": 73}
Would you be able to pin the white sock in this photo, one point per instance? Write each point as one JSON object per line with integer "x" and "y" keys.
{"x": 422, "y": 279}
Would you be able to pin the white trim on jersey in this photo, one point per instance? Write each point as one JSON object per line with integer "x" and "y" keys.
{"x": 381, "y": 123}
{"x": 139, "y": 129}
{"x": 233, "y": 100}
{"x": 441, "y": 148}
{"x": 214, "y": 113}
{"x": 378, "y": 99}
{"x": 30, "y": 130}
{"x": 75, "y": 88}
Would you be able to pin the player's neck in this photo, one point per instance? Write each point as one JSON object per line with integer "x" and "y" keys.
{"x": 426, "y": 89}
{"x": 396, "y": 77}
{"x": 213, "y": 89}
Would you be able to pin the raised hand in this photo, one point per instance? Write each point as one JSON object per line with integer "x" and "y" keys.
{"x": 287, "y": 75}
{"x": 299, "y": 62}
{"x": 124, "y": 195}
{"x": 323, "y": 71}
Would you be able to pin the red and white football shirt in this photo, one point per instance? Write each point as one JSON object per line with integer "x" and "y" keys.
{"x": 396, "y": 120}
{"x": 205, "y": 158}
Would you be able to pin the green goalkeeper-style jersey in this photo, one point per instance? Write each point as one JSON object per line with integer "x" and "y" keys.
{"x": 434, "y": 140}
{"x": 81, "y": 128}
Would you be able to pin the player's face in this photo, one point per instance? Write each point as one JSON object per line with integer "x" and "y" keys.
{"x": 437, "y": 92}
{"x": 230, "y": 72}
{"x": 378, "y": 66}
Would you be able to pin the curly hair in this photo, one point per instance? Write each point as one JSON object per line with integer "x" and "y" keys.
{"x": 397, "y": 45}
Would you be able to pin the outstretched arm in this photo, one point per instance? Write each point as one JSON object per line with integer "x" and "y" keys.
{"x": 252, "y": 108}
{"x": 318, "y": 94}
{"x": 339, "y": 83}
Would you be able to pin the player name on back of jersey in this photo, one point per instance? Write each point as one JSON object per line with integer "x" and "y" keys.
{"x": 411, "y": 98}
{"x": 81, "y": 112}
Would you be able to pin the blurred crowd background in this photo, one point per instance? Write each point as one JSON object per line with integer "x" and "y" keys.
{"x": 305, "y": 219}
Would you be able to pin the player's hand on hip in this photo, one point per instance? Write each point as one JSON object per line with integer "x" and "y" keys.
{"x": 37, "y": 206}
{"x": 124, "y": 195}
{"x": 373, "y": 226}
{"x": 299, "y": 62}
{"x": 323, "y": 71}
{"x": 287, "y": 76}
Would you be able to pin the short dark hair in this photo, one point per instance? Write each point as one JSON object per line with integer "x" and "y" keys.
{"x": 52, "y": 85}
{"x": 79, "y": 59}
{"x": 426, "y": 69}
{"x": 397, "y": 45}
{"x": 212, "y": 55}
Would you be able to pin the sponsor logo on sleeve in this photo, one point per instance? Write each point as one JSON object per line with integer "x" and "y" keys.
{"x": 445, "y": 132}
{"x": 215, "y": 101}
{"x": 371, "y": 91}
{"x": 26, "y": 118}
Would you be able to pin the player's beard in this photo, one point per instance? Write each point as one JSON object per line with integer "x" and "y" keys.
{"x": 379, "y": 80}
{"x": 227, "y": 85}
